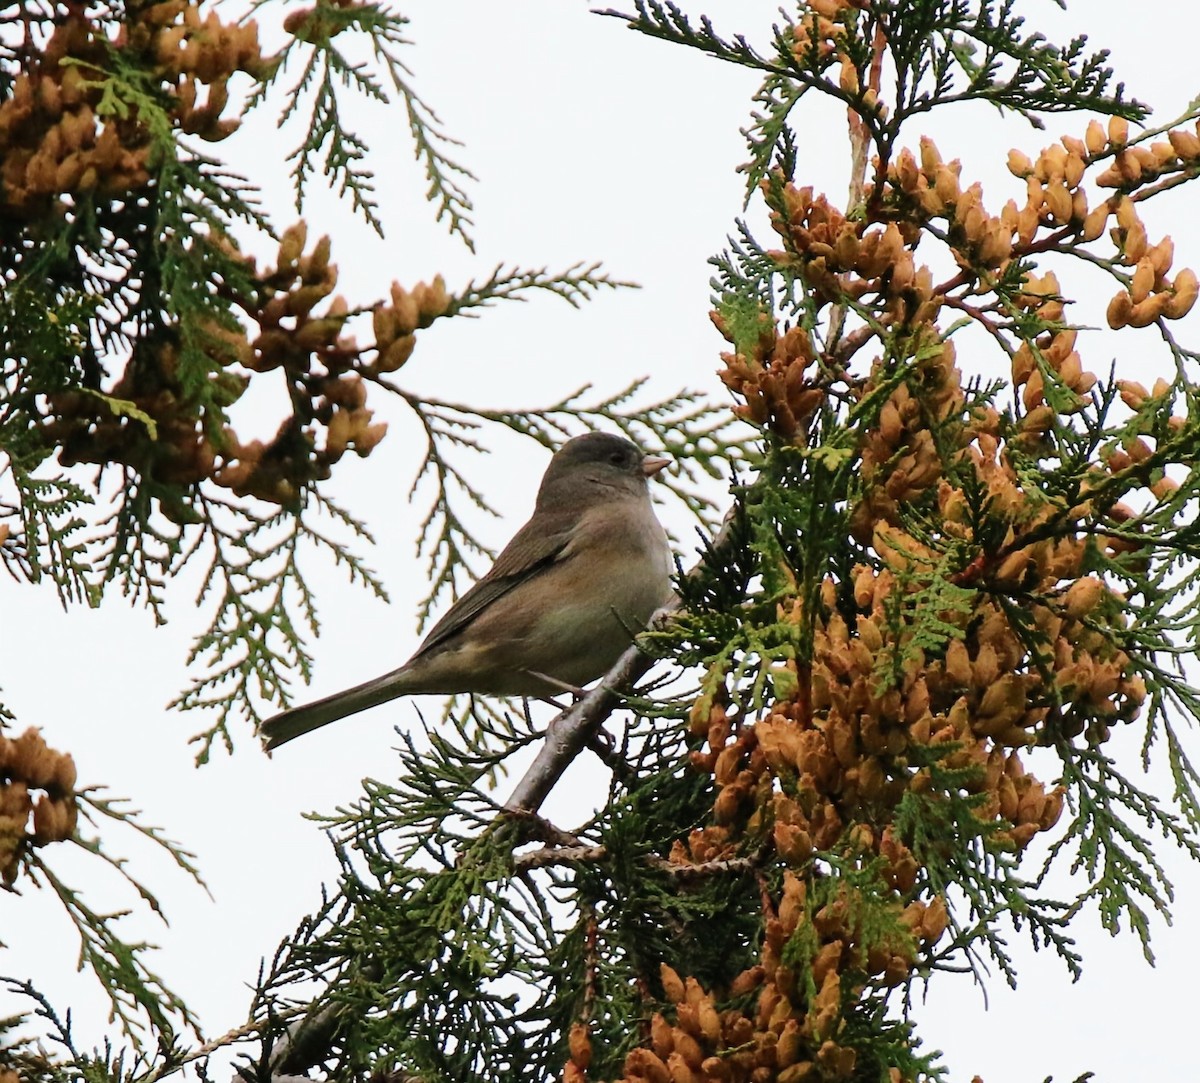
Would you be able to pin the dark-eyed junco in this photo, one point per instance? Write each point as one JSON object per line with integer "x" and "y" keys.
{"x": 563, "y": 600}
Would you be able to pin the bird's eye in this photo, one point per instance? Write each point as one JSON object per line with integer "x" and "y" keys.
{"x": 617, "y": 458}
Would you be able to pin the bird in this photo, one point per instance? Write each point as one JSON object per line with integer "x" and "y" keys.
{"x": 559, "y": 606}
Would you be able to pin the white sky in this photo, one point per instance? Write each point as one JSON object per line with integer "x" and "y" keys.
{"x": 590, "y": 142}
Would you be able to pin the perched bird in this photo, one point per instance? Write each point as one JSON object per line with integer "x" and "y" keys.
{"x": 562, "y": 602}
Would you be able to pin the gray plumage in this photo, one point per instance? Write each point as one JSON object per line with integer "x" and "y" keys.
{"x": 559, "y": 606}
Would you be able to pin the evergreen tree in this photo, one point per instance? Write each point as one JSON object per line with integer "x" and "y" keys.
{"x": 931, "y": 603}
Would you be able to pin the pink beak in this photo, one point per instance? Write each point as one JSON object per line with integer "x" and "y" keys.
{"x": 650, "y": 466}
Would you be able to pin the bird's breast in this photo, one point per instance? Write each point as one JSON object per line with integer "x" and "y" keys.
{"x": 574, "y": 618}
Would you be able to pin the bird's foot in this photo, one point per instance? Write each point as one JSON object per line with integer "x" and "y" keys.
{"x": 525, "y": 700}
{"x": 573, "y": 690}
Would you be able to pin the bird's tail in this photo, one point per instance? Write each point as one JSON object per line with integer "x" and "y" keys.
{"x": 298, "y": 721}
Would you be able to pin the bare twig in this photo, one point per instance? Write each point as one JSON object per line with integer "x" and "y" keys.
{"x": 565, "y": 855}
{"x": 558, "y": 855}
{"x": 572, "y": 730}
{"x": 712, "y": 868}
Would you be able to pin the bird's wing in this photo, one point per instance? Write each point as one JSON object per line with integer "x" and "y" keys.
{"x": 531, "y": 550}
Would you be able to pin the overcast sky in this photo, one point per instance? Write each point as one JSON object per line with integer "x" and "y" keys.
{"x": 589, "y": 142}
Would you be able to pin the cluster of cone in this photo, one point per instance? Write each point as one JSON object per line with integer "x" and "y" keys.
{"x": 1032, "y": 650}
{"x": 162, "y": 412}
{"x": 872, "y": 260}
{"x": 37, "y": 798}
{"x": 326, "y": 372}
{"x": 55, "y": 142}
{"x": 871, "y": 718}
